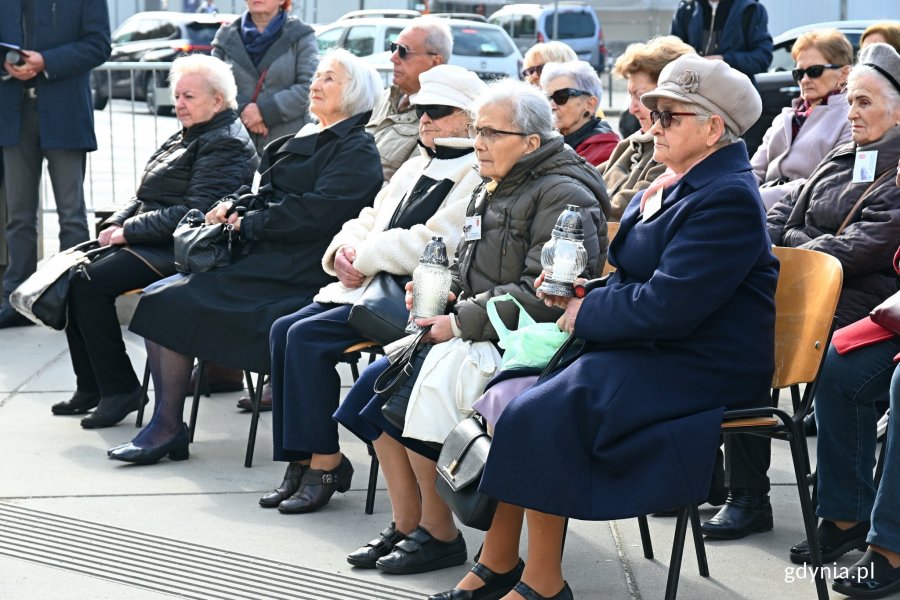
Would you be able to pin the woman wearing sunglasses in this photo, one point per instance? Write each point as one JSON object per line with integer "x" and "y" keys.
{"x": 630, "y": 425}
{"x": 426, "y": 197}
{"x": 532, "y": 176}
{"x": 575, "y": 91}
{"x": 815, "y": 123}
{"x": 542, "y": 53}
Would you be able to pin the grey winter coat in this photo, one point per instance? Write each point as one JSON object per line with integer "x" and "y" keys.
{"x": 284, "y": 95}
{"x": 517, "y": 218}
{"x": 812, "y": 214}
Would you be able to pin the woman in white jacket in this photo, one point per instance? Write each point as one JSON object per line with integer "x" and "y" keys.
{"x": 307, "y": 345}
{"x": 815, "y": 124}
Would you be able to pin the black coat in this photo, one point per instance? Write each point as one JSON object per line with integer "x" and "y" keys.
{"x": 310, "y": 186}
{"x": 192, "y": 169}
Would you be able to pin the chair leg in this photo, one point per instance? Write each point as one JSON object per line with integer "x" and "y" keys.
{"x": 699, "y": 546}
{"x": 354, "y": 367}
{"x": 249, "y": 379}
{"x": 145, "y": 386}
{"x": 254, "y": 421}
{"x": 646, "y": 541}
{"x": 195, "y": 405}
{"x": 677, "y": 553}
{"x": 798, "y": 454}
{"x": 373, "y": 480}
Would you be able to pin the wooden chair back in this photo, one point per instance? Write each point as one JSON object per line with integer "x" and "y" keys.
{"x": 809, "y": 285}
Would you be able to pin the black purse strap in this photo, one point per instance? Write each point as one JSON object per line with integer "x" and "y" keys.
{"x": 393, "y": 378}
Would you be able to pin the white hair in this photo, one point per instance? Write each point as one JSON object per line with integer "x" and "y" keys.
{"x": 215, "y": 72}
{"x": 530, "y": 110}
{"x": 363, "y": 82}
{"x": 438, "y": 36}
{"x": 890, "y": 93}
{"x": 582, "y": 72}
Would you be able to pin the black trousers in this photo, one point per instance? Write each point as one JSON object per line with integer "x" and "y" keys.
{"x": 747, "y": 459}
{"x": 95, "y": 338}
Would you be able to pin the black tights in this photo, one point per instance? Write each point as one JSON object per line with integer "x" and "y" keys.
{"x": 171, "y": 373}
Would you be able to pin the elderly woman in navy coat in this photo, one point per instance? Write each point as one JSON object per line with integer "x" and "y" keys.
{"x": 684, "y": 329}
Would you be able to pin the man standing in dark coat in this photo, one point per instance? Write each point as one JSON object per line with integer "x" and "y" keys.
{"x": 46, "y": 112}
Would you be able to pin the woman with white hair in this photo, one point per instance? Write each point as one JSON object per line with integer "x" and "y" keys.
{"x": 210, "y": 156}
{"x": 575, "y": 91}
{"x": 309, "y": 185}
{"x": 532, "y": 176}
{"x": 542, "y": 53}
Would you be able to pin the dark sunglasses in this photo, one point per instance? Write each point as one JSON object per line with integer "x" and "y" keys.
{"x": 435, "y": 111}
{"x": 535, "y": 70}
{"x": 562, "y": 96}
{"x": 665, "y": 117}
{"x": 403, "y": 52}
{"x": 814, "y": 71}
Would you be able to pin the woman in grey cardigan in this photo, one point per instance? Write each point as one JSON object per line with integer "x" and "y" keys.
{"x": 273, "y": 56}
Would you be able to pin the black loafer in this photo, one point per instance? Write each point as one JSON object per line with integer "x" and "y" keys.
{"x": 289, "y": 486}
{"x": 496, "y": 585}
{"x": 871, "y": 577}
{"x": 113, "y": 409}
{"x": 833, "y": 542}
{"x": 526, "y": 592}
{"x": 176, "y": 448}
{"x": 745, "y": 512}
{"x": 368, "y": 555}
{"x": 317, "y": 486}
{"x": 78, "y": 404}
{"x": 420, "y": 553}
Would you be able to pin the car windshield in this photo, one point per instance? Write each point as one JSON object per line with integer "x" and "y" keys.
{"x": 571, "y": 26}
{"x": 475, "y": 41}
{"x": 202, "y": 34}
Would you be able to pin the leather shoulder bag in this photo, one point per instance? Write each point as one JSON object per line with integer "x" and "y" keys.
{"x": 459, "y": 467}
{"x": 395, "y": 383}
{"x": 199, "y": 246}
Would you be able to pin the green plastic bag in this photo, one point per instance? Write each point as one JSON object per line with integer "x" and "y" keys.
{"x": 531, "y": 344}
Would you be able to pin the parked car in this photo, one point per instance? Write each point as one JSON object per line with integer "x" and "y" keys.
{"x": 153, "y": 37}
{"x": 574, "y": 23}
{"x": 777, "y": 87}
{"x": 479, "y": 47}
{"x": 385, "y": 13}
{"x": 460, "y": 15}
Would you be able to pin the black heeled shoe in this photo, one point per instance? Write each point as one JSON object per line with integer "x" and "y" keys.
{"x": 745, "y": 512}
{"x": 176, "y": 448}
{"x": 526, "y": 592}
{"x": 317, "y": 486}
{"x": 834, "y": 542}
{"x": 496, "y": 585}
{"x": 368, "y": 555}
{"x": 78, "y": 404}
{"x": 113, "y": 409}
{"x": 288, "y": 487}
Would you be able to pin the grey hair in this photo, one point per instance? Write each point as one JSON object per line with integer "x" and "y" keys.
{"x": 891, "y": 95}
{"x": 582, "y": 72}
{"x": 364, "y": 84}
{"x": 529, "y": 106}
{"x": 728, "y": 135}
{"x": 438, "y": 37}
{"x": 215, "y": 72}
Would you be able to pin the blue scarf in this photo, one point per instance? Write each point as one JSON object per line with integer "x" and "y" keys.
{"x": 257, "y": 43}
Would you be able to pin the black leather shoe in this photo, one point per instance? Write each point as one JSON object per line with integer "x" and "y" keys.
{"x": 368, "y": 555}
{"x": 529, "y": 594}
{"x": 78, "y": 404}
{"x": 420, "y": 553}
{"x": 871, "y": 577}
{"x": 176, "y": 448}
{"x": 496, "y": 585}
{"x": 288, "y": 487}
{"x": 833, "y": 542}
{"x": 317, "y": 486}
{"x": 10, "y": 318}
{"x": 113, "y": 409}
{"x": 745, "y": 512}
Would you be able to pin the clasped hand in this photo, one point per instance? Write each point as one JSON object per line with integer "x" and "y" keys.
{"x": 441, "y": 330}
{"x": 569, "y": 304}
{"x": 34, "y": 64}
{"x": 220, "y": 214}
{"x": 343, "y": 266}
{"x": 114, "y": 235}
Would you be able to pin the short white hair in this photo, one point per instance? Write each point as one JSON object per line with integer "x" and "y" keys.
{"x": 364, "y": 84}
{"x": 528, "y": 106}
{"x": 891, "y": 95}
{"x": 582, "y": 72}
{"x": 215, "y": 72}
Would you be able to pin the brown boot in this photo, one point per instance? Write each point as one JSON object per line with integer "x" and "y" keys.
{"x": 265, "y": 404}
{"x": 218, "y": 380}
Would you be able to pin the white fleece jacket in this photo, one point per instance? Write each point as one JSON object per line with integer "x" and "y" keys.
{"x": 398, "y": 250}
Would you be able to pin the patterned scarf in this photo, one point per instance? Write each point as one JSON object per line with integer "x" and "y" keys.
{"x": 257, "y": 43}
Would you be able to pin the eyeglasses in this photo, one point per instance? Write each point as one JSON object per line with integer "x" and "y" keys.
{"x": 403, "y": 52}
{"x": 814, "y": 71}
{"x": 665, "y": 117}
{"x": 535, "y": 70}
{"x": 435, "y": 111}
{"x": 490, "y": 135}
{"x": 560, "y": 97}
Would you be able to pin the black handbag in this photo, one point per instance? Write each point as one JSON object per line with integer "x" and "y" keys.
{"x": 380, "y": 314}
{"x": 199, "y": 246}
{"x": 44, "y": 297}
{"x": 395, "y": 383}
{"x": 459, "y": 469}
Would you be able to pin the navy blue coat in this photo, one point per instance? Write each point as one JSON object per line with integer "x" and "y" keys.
{"x": 73, "y": 37}
{"x": 684, "y": 328}
{"x": 749, "y": 50}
